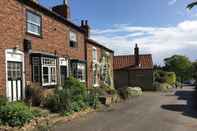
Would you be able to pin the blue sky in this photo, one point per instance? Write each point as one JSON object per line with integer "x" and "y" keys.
{"x": 161, "y": 27}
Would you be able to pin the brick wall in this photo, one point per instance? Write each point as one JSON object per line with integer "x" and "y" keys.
{"x": 90, "y": 47}
{"x": 13, "y": 32}
{"x": 90, "y": 62}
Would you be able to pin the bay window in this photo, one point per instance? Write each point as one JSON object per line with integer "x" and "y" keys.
{"x": 49, "y": 71}
{"x": 44, "y": 70}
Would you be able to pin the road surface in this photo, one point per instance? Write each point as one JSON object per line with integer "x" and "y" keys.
{"x": 174, "y": 111}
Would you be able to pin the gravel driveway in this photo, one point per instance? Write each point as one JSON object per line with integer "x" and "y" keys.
{"x": 151, "y": 112}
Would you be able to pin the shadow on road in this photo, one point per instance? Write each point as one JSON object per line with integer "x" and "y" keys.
{"x": 188, "y": 109}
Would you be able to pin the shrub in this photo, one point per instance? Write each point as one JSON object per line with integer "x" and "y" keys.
{"x": 123, "y": 93}
{"x": 163, "y": 87}
{"x": 34, "y": 94}
{"x": 59, "y": 102}
{"x": 3, "y": 101}
{"x": 92, "y": 98}
{"x": 171, "y": 78}
{"x": 15, "y": 114}
{"x": 72, "y": 98}
{"x": 134, "y": 91}
{"x": 165, "y": 77}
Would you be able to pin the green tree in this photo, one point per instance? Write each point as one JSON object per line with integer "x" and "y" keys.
{"x": 194, "y": 70}
{"x": 191, "y": 5}
{"x": 181, "y": 65}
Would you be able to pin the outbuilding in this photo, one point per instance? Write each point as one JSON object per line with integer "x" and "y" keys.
{"x": 134, "y": 70}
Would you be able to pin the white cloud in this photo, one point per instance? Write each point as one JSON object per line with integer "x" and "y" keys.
{"x": 172, "y": 2}
{"x": 162, "y": 42}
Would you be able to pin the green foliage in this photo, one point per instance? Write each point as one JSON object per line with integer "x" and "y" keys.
{"x": 171, "y": 78}
{"x": 165, "y": 77}
{"x": 181, "y": 65}
{"x": 3, "y": 101}
{"x": 15, "y": 114}
{"x": 72, "y": 98}
{"x": 34, "y": 94}
{"x": 194, "y": 70}
{"x": 163, "y": 87}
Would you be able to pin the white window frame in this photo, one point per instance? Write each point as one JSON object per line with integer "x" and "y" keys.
{"x": 81, "y": 66}
{"x": 94, "y": 54}
{"x": 73, "y": 38}
{"x": 95, "y": 77}
{"x": 49, "y": 66}
{"x": 38, "y": 25}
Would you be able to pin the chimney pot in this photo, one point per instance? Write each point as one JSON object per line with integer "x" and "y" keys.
{"x": 136, "y": 50}
{"x": 86, "y": 22}
{"x": 82, "y": 23}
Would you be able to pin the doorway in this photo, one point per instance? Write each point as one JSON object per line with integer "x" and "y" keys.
{"x": 14, "y": 75}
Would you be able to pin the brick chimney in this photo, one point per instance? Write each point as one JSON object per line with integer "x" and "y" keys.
{"x": 63, "y": 9}
{"x": 86, "y": 27}
{"x": 136, "y": 54}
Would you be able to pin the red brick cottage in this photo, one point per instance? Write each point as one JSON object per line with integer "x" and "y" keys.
{"x": 100, "y": 64}
{"x": 134, "y": 70}
{"x": 38, "y": 45}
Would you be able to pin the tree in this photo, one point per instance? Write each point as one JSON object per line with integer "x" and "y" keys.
{"x": 194, "y": 70}
{"x": 190, "y": 6}
{"x": 181, "y": 65}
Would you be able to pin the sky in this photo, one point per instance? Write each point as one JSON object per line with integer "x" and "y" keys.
{"x": 160, "y": 27}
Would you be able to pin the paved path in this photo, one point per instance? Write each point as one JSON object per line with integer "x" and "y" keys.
{"x": 151, "y": 112}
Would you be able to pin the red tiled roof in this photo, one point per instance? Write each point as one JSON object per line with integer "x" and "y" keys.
{"x": 128, "y": 61}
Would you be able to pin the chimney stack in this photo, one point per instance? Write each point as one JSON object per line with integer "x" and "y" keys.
{"x": 136, "y": 54}
{"x": 63, "y": 10}
{"x": 86, "y": 27}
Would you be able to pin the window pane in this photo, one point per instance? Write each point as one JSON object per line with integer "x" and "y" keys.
{"x": 73, "y": 36}
{"x": 33, "y": 18}
{"x": 33, "y": 29}
{"x": 94, "y": 53}
{"x": 45, "y": 75}
{"x": 33, "y": 23}
{"x": 53, "y": 74}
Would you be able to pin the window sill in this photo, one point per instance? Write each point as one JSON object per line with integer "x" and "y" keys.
{"x": 34, "y": 35}
{"x": 51, "y": 84}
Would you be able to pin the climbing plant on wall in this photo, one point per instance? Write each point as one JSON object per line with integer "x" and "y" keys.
{"x": 106, "y": 72}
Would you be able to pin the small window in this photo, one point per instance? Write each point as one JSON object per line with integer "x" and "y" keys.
{"x": 33, "y": 23}
{"x": 73, "y": 39}
{"x": 94, "y": 54}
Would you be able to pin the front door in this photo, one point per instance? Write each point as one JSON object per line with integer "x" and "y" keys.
{"x": 14, "y": 71}
{"x": 63, "y": 73}
{"x": 15, "y": 89}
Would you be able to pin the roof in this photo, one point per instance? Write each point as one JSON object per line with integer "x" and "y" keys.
{"x": 128, "y": 62}
{"x": 48, "y": 12}
{"x": 99, "y": 45}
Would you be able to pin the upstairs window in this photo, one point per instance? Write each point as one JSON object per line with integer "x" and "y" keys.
{"x": 94, "y": 54}
{"x": 73, "y": 39}
{"x": 33, "y": 23}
